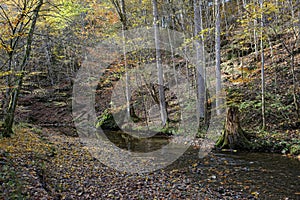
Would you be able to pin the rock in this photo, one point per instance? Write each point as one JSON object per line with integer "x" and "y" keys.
{"x": 213, "y": 177}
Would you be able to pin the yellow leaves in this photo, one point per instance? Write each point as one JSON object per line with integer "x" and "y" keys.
{"x": 101, "y": 19}
{"x": 244, "y": 21}
{"x": 7, "y": 48}
{"x": 240, "y": 80}
{"x": 270, "y": 7}
{"x": 25, "y": 141}
{"x": 255, "y": 194}
{"x": 67, "y": 12}
{"x": 205, "y": 31}
{"x": 5, "y": 73}
{"x": 174, "y": 171}
{"x": 35, "y": 73}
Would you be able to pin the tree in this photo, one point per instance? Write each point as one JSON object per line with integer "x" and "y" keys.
{"x": 19, "y": 23}
{"x": 218, "y": 57}
{"x": 233, "y": 135}
{"x": 263, "y": 106}
{"x": 120, "y": 7}
{"x": 199, "y": 58}
{"x": 161, "y": 91}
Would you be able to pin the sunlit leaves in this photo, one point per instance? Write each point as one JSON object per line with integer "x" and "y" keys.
{"x": 65, "y": 13}
{"x": 15, "y": 18}
{"x": 101, "y": 19}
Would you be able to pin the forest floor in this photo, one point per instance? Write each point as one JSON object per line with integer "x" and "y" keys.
{"x": 42, "y": 164}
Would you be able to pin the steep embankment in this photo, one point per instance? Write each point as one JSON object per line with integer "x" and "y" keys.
{"x": 243, "y": 83}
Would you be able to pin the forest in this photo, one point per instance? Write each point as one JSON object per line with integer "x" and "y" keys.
{"x": 149, "y": 99}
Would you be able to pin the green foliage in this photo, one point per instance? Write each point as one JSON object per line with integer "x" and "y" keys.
{"x": 24, "y": 125}
{"x": 106, "y": 121}
{"x": 230, "y": 56}
{"x": 67, "y": 12}
{"x": 276, "y": 142}
{"x": 167, "y": 130}
{"x": 295, "y": 149}
{"x": 250, "y": 104}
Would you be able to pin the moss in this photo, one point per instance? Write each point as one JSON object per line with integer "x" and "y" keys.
{"x": 106, "y": 121}
{"x": 295, "y": 149}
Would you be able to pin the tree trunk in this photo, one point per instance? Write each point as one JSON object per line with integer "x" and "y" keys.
{"x": 200, "y": 63}
{"x": 161, "y": 91}
{"x": 233, "y": 135}
{"x": 263, "y": 87}
{"x": 218, "y": 57}
{"x": 121, "y": 10}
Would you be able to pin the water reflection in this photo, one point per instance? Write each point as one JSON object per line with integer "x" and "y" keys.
{"x": 128, "y": 142}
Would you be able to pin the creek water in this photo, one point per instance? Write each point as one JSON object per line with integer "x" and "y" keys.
{"x": 262, "y": 175}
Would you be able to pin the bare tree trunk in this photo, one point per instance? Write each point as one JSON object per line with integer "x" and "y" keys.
{"x": 203, "y": 59}
{"x": 127, "y": 78}
{"x": 199, "y": 62}
{"x": 171, "y": 39}
{"x": 121, "y": 10}
{"x": 218, "y": 57}
{"x": 161, "y": 91}
{"x": 262, "y": 68}
{"x": 8, "y": 91}
{"x": 255, "y": 38}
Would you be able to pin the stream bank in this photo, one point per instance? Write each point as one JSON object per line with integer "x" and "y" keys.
{"x": 48, "y": 165}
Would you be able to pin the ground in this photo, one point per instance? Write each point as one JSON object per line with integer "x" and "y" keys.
{"x": 42, "y": 164}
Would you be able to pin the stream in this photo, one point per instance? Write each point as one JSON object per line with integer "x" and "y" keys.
{"x": 261, "y": 175}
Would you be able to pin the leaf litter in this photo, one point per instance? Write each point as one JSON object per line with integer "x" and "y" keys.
{"x": 48, "y": 165}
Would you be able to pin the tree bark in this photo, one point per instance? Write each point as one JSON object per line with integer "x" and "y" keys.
{"x": 161, "y": 91}
{"x": 199, "y": 57}
{"x": 233, "y": 135}
{"x": 218, "y": 57}
{"x": 262, "y": 67}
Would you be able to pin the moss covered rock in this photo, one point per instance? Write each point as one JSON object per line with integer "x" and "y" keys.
{"x": 106, "y": 121}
